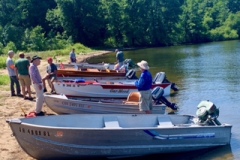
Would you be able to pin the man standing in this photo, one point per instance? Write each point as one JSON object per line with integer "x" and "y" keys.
{"x": 144, "y": 85}
{"x": 12, "y": 74}
{"x": 73, "y": 58}
{"x": 51, "y": 76}
{"x": 22, "y": 66}
{"x": 37, "y": 84}
{"x": 119, "y": 58}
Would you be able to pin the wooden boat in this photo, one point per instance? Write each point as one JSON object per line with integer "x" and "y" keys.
{"x": 72, "y": 105}
{"x": 101, "y": 66}
{"x": 89, "y": 73}
{"x": 85, "y": 65}
{"x": 114, "y": 88}
{"x": 113, "y": 135}
{"x": 93, "y": 70}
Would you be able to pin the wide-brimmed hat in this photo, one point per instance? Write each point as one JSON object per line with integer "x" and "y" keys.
{"x": 143, "y": 64}
{"x": 35, "y": 57}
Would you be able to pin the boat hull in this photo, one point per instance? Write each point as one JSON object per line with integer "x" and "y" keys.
{"x": 63, "y": 105}
{"x": 94, "y": 89}
{"x": 86, "y": 135}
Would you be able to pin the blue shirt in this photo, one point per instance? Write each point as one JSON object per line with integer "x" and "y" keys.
{"x": 144, "y": 83}
{"x": 73, "y": 57}
{"x": 9, "y": 63}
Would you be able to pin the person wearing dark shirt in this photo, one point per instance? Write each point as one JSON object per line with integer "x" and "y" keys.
{"x": 119, "y": 58}
{"x": 51, "y": 75}
{"x": 144, "y": 85}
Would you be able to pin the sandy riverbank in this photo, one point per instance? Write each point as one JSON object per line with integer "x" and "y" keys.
{"x": 11, "y": 107}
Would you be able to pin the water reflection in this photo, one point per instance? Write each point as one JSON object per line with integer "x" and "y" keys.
{"x": 203, "y": 72}
{"x": 220, "y": 153}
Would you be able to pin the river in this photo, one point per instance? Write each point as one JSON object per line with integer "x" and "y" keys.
{"x": 207, "y": 71}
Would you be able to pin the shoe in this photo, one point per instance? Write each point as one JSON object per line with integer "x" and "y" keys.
{"x": 44, "y": 90}
{"x": 53, "y": 92}
{"x": 40, "y": 113}
{"x": 13, "y": 95}
{"x": 19, "y": 95}
{"x": 30, "y": 98}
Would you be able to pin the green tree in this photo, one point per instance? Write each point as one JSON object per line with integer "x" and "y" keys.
{"x": 34, "y": 39}
{"x": 79, "y": 19}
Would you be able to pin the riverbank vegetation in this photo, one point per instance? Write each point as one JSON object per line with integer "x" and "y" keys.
{"x": 33, "y": 25}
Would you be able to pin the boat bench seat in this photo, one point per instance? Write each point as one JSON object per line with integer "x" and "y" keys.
{"x": 132, "y": 103}
{"x": 133, "y": 98}
{"x": 92, "y": 70}
{"x": 164, "y": 121}
{"x": 111, "y": 122}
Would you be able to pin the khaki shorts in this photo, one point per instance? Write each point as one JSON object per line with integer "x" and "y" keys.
{"x": 24, "y": 80}
{"x": 146, "y": 101}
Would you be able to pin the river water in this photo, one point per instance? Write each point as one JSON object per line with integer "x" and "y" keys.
{"x": 207, "y": 71}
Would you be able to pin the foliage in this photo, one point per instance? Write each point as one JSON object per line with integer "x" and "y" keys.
{"x": 4, "y": 80}
{"x": 58, "y": 24}
{"x": 10, "y": 46}
{"x": 3, "y": 62}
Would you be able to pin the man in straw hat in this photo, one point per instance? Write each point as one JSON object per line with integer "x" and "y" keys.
{"x": 144, "y": 84}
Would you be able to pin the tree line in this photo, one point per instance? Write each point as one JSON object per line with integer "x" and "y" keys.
{"x": 39, "y": 25}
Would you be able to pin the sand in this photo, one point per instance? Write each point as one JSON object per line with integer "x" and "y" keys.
{"x": 13, "y": 107}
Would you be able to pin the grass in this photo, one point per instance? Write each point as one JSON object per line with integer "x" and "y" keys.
{"x": 4, "y": 80}
{"x": 58, "y": 55}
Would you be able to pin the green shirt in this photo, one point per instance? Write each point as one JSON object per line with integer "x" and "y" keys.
{"x": 120, "y": 56}
{"x": 22, "y": 65}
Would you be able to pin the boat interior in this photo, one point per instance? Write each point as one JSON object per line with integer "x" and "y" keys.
{"x": 112, "y": 121}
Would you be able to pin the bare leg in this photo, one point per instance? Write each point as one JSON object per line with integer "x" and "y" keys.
{"x": 44, "y": 83}
{"x": 29, "y": 91}
{"x": 24, "y": 91}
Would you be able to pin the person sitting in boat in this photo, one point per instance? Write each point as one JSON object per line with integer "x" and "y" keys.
{"x": 51, "y": 75}
{"x": 120, "y": 59}
{"x": 144, "y": 85}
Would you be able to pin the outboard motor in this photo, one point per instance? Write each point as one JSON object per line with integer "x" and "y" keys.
{"x": 157, "y": 96}
{"x": 162, "y": 78}
{"x": 130, "y": 63}
{"x": 131, "y": 74}
{"x": 159, "y": 78}
{"x": 207, "y": 113}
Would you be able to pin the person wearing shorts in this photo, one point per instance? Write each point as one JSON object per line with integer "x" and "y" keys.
{"x": 22, "y": 66}
{"x": 51, "y": 75}
{"x": 144, "y": 85}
